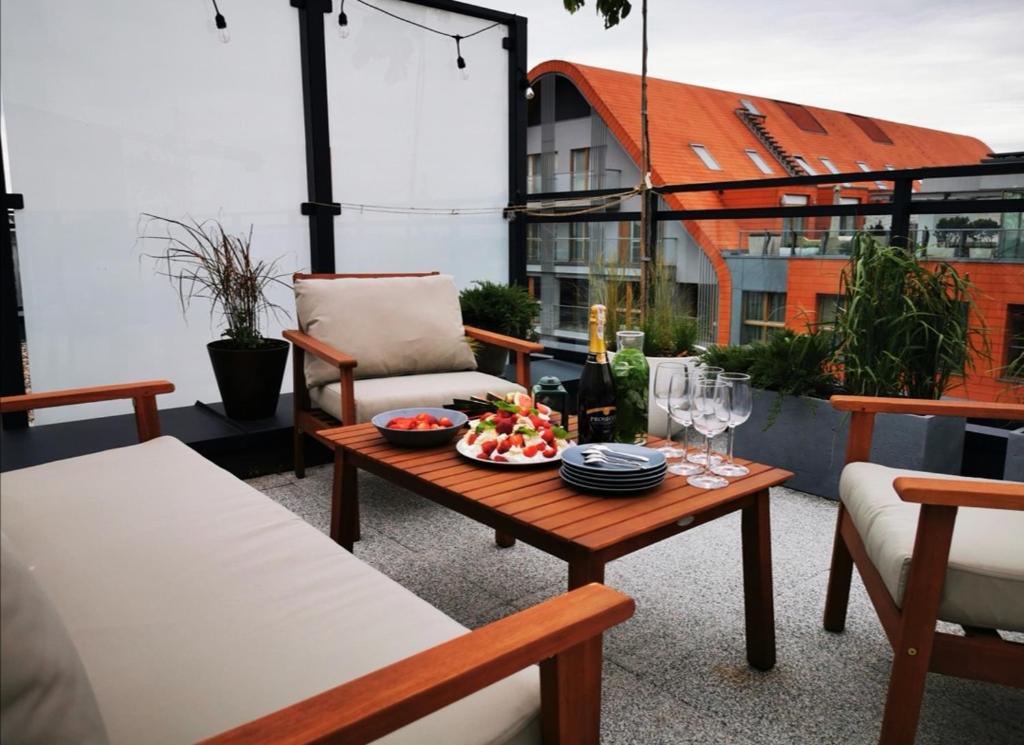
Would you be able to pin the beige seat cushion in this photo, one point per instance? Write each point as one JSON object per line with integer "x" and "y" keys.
{"x": 45, "y": 696}
{"x": 197, "y": 604}
{"x": 985, "y": 581}
{"x": 391, "y": 325}
{"x": 439, "y": 389}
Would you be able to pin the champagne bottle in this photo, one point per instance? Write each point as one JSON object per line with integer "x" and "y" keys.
{"x": 596, "y": 402}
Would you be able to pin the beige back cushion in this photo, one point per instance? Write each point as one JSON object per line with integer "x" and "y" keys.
{"x": 45, "y": 696}
{"x": 391, "y": 325}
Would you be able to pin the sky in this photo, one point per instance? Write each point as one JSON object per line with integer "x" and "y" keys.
{"x": 953, "y": 65}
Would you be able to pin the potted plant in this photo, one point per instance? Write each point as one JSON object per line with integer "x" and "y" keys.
{"x": 902, "y": 330}
{"x": 503, "y": 309}
{"x": 202, "y": 260}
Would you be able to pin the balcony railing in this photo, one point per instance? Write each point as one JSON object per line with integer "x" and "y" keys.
{"x": 939, "y": 243}
{"x": 608, "y": 251}
{"x": 609, "y": 178}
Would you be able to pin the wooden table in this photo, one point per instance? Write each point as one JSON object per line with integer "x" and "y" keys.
{"x": 534, "y": 505}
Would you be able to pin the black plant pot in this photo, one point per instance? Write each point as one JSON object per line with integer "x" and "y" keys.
{"x": 249, "y": 379}
{"x": 491, "y": 359}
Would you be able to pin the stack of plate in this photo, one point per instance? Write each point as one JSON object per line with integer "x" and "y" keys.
{"x": 619, "y": 476}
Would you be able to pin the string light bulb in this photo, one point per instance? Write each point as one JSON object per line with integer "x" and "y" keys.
{"x": 528, "y": 94}
{"x": 222, "y": 25}
{"x": 342, "y": 21}
{"x": 459, "y": 61}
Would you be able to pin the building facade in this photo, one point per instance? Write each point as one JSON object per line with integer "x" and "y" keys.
{"x": 745, "y": 278}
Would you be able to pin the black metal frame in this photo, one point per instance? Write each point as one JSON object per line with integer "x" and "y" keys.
{"x": 321, "y": 207}
{"x": 12, "y": 376}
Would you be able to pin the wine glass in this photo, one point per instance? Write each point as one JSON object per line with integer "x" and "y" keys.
{"x": 741, "y": 403}
{"x": 706, "y": 372}
{"x": 680, "y": 405}
{"x": 710, "y": 412}
{"x": 663, "y": 375}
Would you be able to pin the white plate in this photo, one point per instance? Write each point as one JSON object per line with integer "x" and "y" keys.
{"x": 538, "y": 460}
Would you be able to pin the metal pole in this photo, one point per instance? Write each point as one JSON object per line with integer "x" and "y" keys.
{"x": 899, "y": 229}
{"x": 515, "y": 43}
{"x": 12, "y": 374}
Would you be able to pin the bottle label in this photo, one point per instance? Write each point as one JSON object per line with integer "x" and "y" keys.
{"x": 601, "y": 422}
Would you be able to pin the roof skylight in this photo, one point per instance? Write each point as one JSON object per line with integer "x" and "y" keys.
{"x": 828, "y": 164}
{"x": 805, "y": 165}
{"x": 866, "y": 168}
{"x": 749, "y": 106}
{"x": 760, "y": 162}
{"x": 705, "y": 155}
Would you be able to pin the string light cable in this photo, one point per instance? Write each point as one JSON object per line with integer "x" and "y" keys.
{"x": 508, "y": 211}
{"x": 460, "y": 61}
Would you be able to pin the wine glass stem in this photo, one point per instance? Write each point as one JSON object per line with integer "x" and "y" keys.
{"x": 668, "y": 417}
{"x": 707, "y": 454}
{"x": 732, "y": 439}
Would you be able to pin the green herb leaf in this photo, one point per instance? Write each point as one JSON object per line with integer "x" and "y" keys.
{"x": 506, "y": 406}
{"x": 560, "y": 433}
{"x": 485, "y": 425}
{"x": 522, "y": 429}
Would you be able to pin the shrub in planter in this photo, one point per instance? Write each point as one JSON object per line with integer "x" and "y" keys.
{"x": 504, "y": 309}
{"x": 202, "y": 260}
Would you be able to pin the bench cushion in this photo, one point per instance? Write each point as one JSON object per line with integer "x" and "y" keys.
{"x": 196, "y": 603}
{"x": 985, "y": 581}
{"x": 391, "y": 325}
{"x": 438, "y": 389}
{"x": 45, "y": 696}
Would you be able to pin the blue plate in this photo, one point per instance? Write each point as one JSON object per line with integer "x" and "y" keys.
{"x": 574, "y": 457}
{"x": 423, "y": 438}
{"x": 614, "y": 478}
{"x": 610, "y": 489}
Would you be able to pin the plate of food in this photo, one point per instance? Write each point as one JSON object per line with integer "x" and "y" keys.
{"x": 517, "y": 432}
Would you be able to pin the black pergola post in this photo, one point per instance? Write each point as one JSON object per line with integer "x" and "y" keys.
{"x": 12, "y": 376}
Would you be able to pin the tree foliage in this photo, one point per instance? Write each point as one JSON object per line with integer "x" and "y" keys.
{"x": 612, "y": 11}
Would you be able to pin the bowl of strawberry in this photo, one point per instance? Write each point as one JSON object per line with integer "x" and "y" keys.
{"x": 516, "y": 433}
{"x": 419, "y": 427}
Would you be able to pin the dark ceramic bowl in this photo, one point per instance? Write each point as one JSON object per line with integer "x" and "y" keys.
{"x": 422, "y": 438}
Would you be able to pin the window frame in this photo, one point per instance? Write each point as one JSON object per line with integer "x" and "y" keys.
{"x": 757, "y": 160}
{"x": 1013, "y": 348}
{"x": 704, "y": 156}
{"x": 764, "y": 327}
{"x": 574, "y": 173}
{"x": 803, "y": 163}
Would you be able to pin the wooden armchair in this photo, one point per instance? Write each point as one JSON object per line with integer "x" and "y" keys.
{"x": 321, "y": 403}
{"x": 917, "y": 571}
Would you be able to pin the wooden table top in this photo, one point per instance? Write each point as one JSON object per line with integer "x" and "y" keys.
{"x": 537, "y": 497}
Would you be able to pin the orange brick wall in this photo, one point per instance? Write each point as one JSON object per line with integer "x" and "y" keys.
{"x": 997, "y": 286}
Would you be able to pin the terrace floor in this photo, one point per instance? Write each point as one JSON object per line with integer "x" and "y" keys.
{"x": 676, "y": 672}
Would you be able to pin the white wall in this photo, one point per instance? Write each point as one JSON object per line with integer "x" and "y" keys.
{"x": 407, "y": 130}
{"x": 118, "y": 107}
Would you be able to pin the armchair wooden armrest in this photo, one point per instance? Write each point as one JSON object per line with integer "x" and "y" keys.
{"x": 562, "y": 634}
{"x": 317, "y": 348}
{"x": 864, "y": 408}
{"x": 143, "y": 395}
{"x": 521, "y": 347}
{"x": 939, "y": 407}
{"x": 1005, "y": 495}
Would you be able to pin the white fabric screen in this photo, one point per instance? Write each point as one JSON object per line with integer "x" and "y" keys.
{"x": 119, "y": 107}
{"x": 407, "y": 130}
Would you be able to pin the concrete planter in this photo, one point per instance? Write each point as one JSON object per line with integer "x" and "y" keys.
{"x": 1014, "y": 468}
{"x": 808, "y": 437}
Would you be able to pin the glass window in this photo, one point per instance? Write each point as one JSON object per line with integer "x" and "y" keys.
{"x": 749, "y": 106}
{"x": 579, "y": 168}
{"x": 827, "y": 310}
{"x": 828, "y": 164}
{"x": 1014, "y": 363}
{"x": 792, "y": 227}
{"x": 866, "y": 168}
{"x": 579, "y": 237}
{"x": 760, "y": 162}
{"x": 533, "y": 173}
{"x": 763, "y": 314}
{"x": 848, "y": 223}
{"x": 573, "y": 304}
{"x": 706, "y": 157}
{"x": 805, "y": 165}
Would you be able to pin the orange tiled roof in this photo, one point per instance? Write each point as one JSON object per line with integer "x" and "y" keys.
{"x": 681, "y": 114}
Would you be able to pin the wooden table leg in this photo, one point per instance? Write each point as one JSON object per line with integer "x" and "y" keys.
{"x": 757, "y": 583}
{"x": 344, "y": 502}
{"x": 584, "y": 570}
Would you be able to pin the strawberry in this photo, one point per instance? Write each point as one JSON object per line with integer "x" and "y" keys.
{"x": 445, "y": 421}
{"x": 488, "y": 446}
{"x": 500, "y": 459}
{"x": 524, "y": 412}
{"x": 483, "y": 456}
{"x": 517, "y": 440}
{"x": 504, "y": 427}
{"x": 548, "y": 436}
{"x": 472, "y": 438}
{"x": 504, "y": 446}
{"x": 531, "y": 450}
{"x": 550, "y": 452}
{"x": 538, "y": 423}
